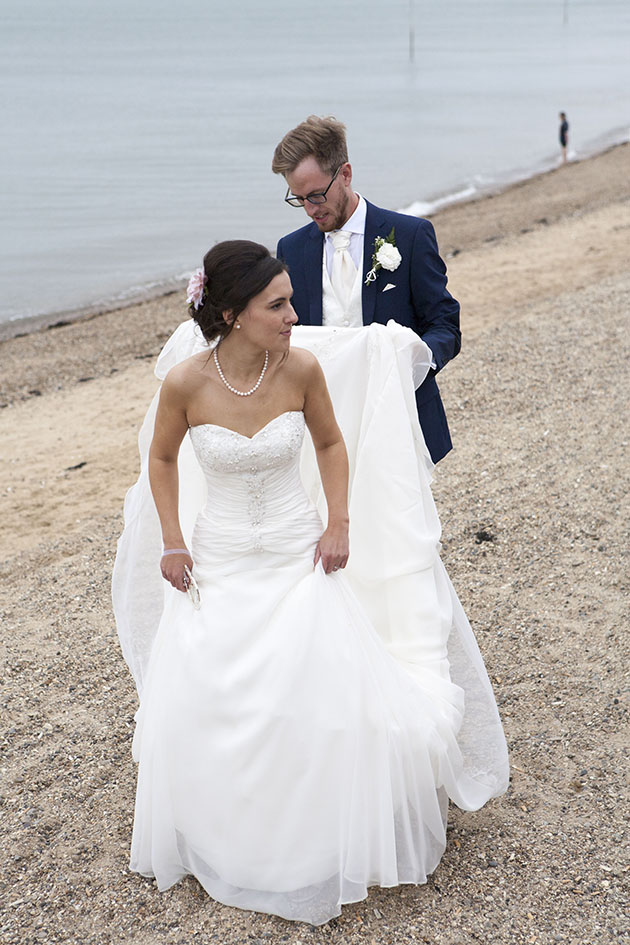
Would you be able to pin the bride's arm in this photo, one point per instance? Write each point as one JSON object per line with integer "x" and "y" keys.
{"x": 171, "y": 425}
{"x": 332, "y": 460}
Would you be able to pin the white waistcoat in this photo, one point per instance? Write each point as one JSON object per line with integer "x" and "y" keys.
{"x": 333, "y": 313}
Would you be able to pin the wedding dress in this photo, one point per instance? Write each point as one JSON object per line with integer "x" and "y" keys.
{"x": 299, "y": 735}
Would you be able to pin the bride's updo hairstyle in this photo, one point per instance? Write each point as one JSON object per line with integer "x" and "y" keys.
{"x": 236, "y": 271}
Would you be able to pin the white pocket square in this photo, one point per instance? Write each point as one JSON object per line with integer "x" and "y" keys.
{"x": 390, "y": 285}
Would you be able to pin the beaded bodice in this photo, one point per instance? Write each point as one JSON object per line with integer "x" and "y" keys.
{"x": 255, "y": 495}
{"x": 277, "y": 444}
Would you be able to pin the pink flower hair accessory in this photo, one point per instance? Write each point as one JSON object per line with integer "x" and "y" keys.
{"x": 197, "y": 290}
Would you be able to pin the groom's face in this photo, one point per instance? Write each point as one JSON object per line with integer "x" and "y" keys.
{"x": 309, "y": 178}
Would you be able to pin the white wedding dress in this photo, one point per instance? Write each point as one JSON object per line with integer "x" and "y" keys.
{"x": 299, "y": 735}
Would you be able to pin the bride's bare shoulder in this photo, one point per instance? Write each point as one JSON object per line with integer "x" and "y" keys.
{"x": 188, "y": 374}
{"x": 303, "y": 363}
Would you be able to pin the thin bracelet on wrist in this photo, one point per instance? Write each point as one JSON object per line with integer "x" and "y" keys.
{"x": 176, "y": 551}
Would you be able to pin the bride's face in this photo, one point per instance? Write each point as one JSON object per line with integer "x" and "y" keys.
{"x": 268, "y": 319}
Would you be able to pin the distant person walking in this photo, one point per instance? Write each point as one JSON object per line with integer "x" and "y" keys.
{"x": 564, "y": 136}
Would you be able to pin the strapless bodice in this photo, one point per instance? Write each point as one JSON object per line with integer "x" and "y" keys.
{"x": 221, "y": 450}
{"x": 255, "y": 499}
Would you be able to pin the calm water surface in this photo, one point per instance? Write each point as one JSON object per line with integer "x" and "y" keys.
{"x": 139, "y": 133}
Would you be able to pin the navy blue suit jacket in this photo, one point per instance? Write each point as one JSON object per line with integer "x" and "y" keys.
{"x": 420, "y": 299}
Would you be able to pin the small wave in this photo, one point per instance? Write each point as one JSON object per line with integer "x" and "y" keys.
{"x": 482, "y": 185}
{"x": 424, "y": 208}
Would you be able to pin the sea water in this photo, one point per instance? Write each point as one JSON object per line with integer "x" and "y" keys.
{"x": 139, "y": 132}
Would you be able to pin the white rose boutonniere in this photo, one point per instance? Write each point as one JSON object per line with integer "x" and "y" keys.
{"x": 385, "y": 256}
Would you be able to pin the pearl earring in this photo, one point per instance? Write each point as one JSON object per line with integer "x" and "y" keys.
{"x": 236, "y": 325}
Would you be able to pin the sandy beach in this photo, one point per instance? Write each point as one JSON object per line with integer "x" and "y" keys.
{"x": 534, "y": 509}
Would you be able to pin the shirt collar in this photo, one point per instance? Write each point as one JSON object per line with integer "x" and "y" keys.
{"x": 356, "y": 223}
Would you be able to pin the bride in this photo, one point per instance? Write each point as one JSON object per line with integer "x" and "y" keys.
{"x": 311, "y": 696}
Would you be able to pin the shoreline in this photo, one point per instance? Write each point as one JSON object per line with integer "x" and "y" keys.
{"x": 437, "y": 210}
{"x": 503, "y": 181}
{"x": 503, "y": 252}
{"x": 30, "y": 324}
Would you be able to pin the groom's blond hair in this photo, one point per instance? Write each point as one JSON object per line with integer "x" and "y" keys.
{"x": 321, "y": 138}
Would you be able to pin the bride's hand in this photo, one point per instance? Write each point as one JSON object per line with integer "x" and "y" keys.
{"x": 333, "y": 548}
{"x": 172, "y": 568}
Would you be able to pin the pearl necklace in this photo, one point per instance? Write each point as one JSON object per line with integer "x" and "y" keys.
{"x": 241, "y": 393}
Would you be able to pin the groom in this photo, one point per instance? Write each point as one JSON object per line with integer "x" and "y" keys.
{"x": 355, "y": 264}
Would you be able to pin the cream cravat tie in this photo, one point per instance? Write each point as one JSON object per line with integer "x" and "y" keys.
{"x": 344, "y": 271}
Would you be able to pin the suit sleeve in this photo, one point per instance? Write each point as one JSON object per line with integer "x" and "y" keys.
{"x": 435, "y": 309}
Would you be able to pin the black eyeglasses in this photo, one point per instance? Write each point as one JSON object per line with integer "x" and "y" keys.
{"x": 312, "y": 198}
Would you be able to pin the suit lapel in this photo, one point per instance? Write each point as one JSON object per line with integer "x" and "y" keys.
{"x": 375, "y": 225}
{"x": 313, "y": 251}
